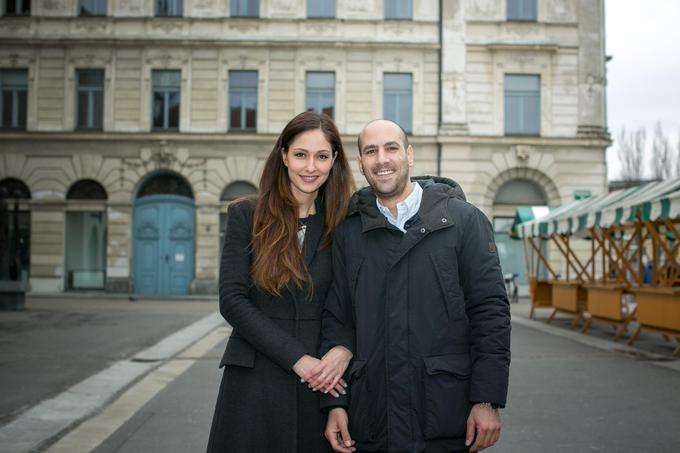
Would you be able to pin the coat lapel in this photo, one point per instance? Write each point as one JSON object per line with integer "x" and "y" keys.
{"x": 313, "y": 235}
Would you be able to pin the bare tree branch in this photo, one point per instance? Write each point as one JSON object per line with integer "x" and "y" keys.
{"x": 661, "y": 159}
{"x": 631, "y": 153}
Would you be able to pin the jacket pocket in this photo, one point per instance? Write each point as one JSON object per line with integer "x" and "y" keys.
{"x": 238, "y": 353}
{"x": 447, "y": 389}
{"x": 361, "y": 406}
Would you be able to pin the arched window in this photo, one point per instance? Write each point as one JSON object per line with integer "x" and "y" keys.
{"x": 15, "y": 230}
{"x": 86, "y": 189}
{"x": 165, "y": 184}
{"x": 521, "y": 192}
{"x": 236, "y": 190}
{"x": 85, "y": 257}
{"x": 14, "y": 188}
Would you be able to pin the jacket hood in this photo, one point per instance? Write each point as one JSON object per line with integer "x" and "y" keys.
{"x": 438, "y": 186}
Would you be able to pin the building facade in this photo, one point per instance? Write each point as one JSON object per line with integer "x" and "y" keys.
{"x": 128, "y": 126}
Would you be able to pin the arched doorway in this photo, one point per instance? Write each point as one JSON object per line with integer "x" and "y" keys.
{"x": 164, "y": 233}
{"x": 85, "y": 251}
{"x": 15, "y": 230}
{"x": 509, "y": 196}
{"x": 231, "y": 192}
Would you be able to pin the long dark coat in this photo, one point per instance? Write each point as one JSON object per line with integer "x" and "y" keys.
{"x": 262, "y": 406}
{"x": 426, "y": 315}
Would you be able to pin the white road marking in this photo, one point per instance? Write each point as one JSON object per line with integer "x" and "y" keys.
{"x": 90, "y": 434}
{"x": 48, "y": 419}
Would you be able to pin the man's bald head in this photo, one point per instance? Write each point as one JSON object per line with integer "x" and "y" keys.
{"x": 402, "y": 132}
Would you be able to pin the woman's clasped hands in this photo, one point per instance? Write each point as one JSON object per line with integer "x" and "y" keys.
{"x": 325, "y": 374}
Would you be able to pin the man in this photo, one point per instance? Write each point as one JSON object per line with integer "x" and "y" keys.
{"x": 418, "y": 297}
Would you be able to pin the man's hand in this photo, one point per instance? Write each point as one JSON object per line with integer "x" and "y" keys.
{"x": 483, "y": 426}
{"x": 327, "y": 374}
{"x": 337, "y": 432}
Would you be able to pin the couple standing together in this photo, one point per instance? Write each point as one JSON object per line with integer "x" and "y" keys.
{"x": 397, "y": 288}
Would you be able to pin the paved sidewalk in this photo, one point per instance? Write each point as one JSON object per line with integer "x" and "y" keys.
{"x": 565, "y": 396}
{"x": 569, "y": 392}
{"x": 65, "y": 356}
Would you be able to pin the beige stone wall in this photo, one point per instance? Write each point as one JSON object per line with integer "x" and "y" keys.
{"x": 464, "y": 141}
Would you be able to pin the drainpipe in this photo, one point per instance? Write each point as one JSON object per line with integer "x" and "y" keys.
{"x": 439, "y": 120}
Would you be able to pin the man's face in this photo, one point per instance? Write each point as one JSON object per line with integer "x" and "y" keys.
{"x": 384, "y": 161}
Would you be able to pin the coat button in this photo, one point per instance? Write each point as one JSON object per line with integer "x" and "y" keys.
{"x": 444, "y": 220}
{"x": 422, "y": 230}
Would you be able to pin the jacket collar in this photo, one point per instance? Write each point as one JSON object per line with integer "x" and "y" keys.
{"x": 315, "y": 229}
{"x": 433, "y": 210}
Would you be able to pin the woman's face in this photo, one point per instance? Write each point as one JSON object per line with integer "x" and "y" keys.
{"x": 309, "y": 159}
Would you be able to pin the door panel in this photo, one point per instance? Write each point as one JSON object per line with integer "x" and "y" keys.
{"x": 164, "y": 245}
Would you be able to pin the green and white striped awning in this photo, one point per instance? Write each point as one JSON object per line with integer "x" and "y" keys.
{"x": 654, "y": 201}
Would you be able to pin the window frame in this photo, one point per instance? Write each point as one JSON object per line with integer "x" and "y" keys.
{"x": 99, "y": 3}
{"x": 523, "y": 15}
{"x": 5, "y": 8}
{"x": 90, "y": 91}
{"x": 322, "y": 5}
{"x": 525, "y": 96}
{"x": 241, "y": 91}
{"x": 15, "y": 90}
{"x": 166, "y": 91}
{"x": 236, "y": 7}
{"x": 398, "y": 14}
{"x": 179, "y": 4}
{"x": 317, "y": 91}
{"x": 399, "y": 92}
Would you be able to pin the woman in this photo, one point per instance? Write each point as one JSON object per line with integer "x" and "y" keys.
{"x": 274, "y": 275}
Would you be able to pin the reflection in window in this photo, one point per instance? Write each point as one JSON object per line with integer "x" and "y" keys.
{"x": 169, "y": 8}
{"x": 321, "y": 8}
{"x": 320, "y": 92}
{"x": 15, "y": 230}
{"x": 243, "y": 100}
{"x": 245, "y": 8}
{"x": 13, "y": 91}
{"x": 92, "y": 8}
{"x": 90, "y": 98}
{"x": 398, "y": 9}
{"x": 166, "y": 99}
{"x": 521, "y": 10}
{"x": 398, "y": 99}
{"x": 17, "y": 8}
{"x": 522, "y": 104}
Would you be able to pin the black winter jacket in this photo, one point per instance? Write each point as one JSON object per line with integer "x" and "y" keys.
{"x": 425, "y": 313}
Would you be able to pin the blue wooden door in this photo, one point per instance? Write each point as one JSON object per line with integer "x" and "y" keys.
{"x": 164, "y": 227}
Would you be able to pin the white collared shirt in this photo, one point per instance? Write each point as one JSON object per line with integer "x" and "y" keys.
{"x": 405, "y": 209}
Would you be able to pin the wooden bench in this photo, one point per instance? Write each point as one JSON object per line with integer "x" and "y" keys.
{"x": 568, "y": 297}
{"x": 541, "y": 295}
{"x": 658, "y": 309}
{"x": 606, "y": 303}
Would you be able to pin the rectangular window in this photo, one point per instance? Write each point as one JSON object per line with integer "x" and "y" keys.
{"x": 85, "y": 250}
{"x": 165, "y": 99}
{"x": 398, "y": 9}
{"x": 245, "y": 8}
{"x": 169, "y": 8}
{"x": 321, "y": 8}
{"x": 398, "y": 99}
{"x": 92, "y": 8}
{"x": 13, "y": 96}
{"x": 521, "y": 10}
{"x": 243, "y": 100}
{"x": 320, "y": 92}
{"x": 17, "y": 8}
{"x": 89, "y": 98}
{"x": 522, "y": 104}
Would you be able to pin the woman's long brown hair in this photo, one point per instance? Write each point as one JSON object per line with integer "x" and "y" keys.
{"x": 277, "y": 260}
